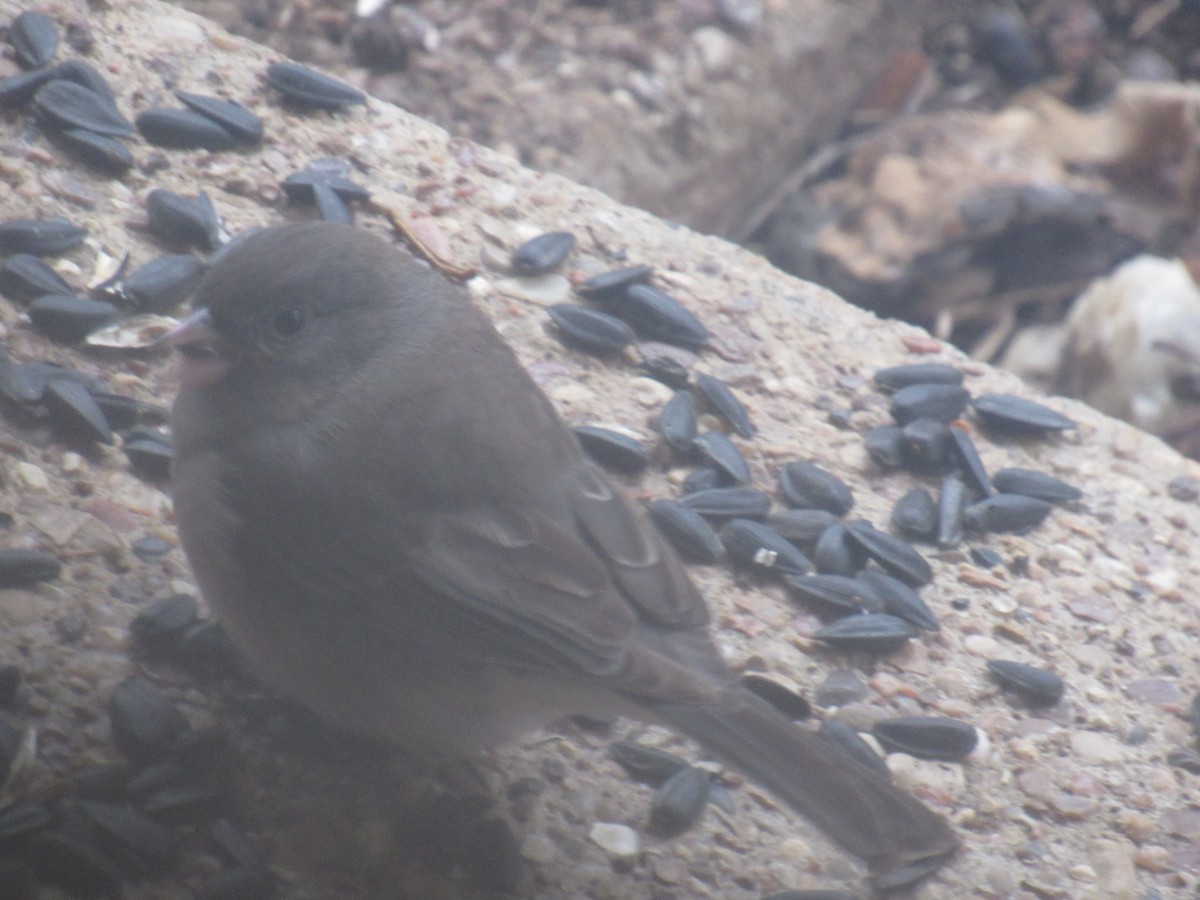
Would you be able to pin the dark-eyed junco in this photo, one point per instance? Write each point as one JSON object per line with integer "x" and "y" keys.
{"x": 396, "y": 528}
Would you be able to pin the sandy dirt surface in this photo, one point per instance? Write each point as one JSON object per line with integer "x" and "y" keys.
{"x": 1078, "y": 801}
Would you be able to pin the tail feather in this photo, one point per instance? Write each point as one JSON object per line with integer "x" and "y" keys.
{"x": 855, "y": 806}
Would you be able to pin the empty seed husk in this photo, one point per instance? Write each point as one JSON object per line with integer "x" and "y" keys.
{"x": 34, "y": 39}
{"x": 242, "y": 124}
{"x": 687, "y": 530}
{"x": 543, "y": 254}
{"x": 715, "y": 448}
{"x": 590, "y": 330}
{"x": 896, "y": 377}
{"x": 1006, "y": 512}
{"x": 723, "y": 402}
{"x": 1039, "y": 687}
{"x": 183, "y": 129}
{"x": 967, "y": 456}
{"x": 784, "y": 699}
{"x": 40, "y": 237}
{"x": 952, "y": 502}
{"x": 729, "y": 503}
{"x": 610, "y": 287}
{"x": 99, "y": 151}
{"x": 646, "y": 765}
{"x": 806, "y": 485}
{"x": 896, "y": 556}
{"x": 868, "y": 633}
{"x": 851, "y": 742}
{"x": 1007, "y": 414}
{"x": 835, "y": 553}
{"x": 679, "y": 802}
{"x": 839, "y": 593}
{"x": 915, "y": 514}
{"x": 20, "y": 566}
{"x": 657, "y": 316}
{"x": 801, "y": 526}
{"x": 678, "y": 422}
{"x": 69, "y": 319}
{"x": 665, "y": 363}
{"x": 900, "y": 600}
{"x": 752, "y": 544}
{"x": 941, "y": 402}
{"x": 68, "y": 104}
{"x": 309, "y": 88}
{"x": 927, "y": 737}
{"x": 183, "y": 220}
{"x": 25, "y": 277}
{"x": 612, "y": 449}
{"x": 1030, "y": 483}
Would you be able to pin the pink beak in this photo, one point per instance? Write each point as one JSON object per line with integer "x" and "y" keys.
{"x": 205, "y": 355}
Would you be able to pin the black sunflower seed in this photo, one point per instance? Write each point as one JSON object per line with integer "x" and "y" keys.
{"x": 801, "y": 526}
{"x": 69, "y": 319}
{"x": 185, "y": 804}
{"x": 163, "y": 623}
{"x": 330, "y": 206}
{"x": 73, "y": 864}
{"x": 183, "y": 129}
{"x": 233, "y": 117}
{"x": 145, "y": 724}
{"x": 897, "y": 377}
{"x": 900, "y": 600}
{"x": 74, "y": 411}
{"x": 967, "y": 456}
{"x": 34, "y": 39}
{"x": 885, "y": 445}
{"x": 69, "y": 104}
{"x": 245, "y": 883}
{"x": 657, "y": 316}
{"x": 895, "y": 555}
{"x": 723, "y": 402}
{"x": 662, "y": 362}
{"x": 300, "y": 186}
{"x": 754, "y": 545}
{"x": 678, "y": 422}
{"x": 97, "y": 150}
{"x": 543, "y": 254}
{"x": 119, "y": 411}
{"x": 942, "y": 402}
{"x": 155, "y": 777}
{"x": 309, "y": 88}
{"x": 700, "y": 480}
{"x": 590, "y": 330}
{"x": 915, "y": 514}
{"x": 17, "y": 90}
{"x": 806, "y": 485}
{"x": 952, "y": 502}
{"x": 26, "y": 382}
{"x": 235, "y": 844}
{"x": 24, "y": 277}
{"x": 839, "y": 593}
{"x": 927, "y": 737}
{"x": 728, "y": 503}
{"x": 1040, "y": 687}
{"x": 1006, "y": 512}
{"x": 869, "y": 633}
{"x": 646, "y": 765}
{"x": 178, "y": 219}
{"x": 162, "y": 284}
{"x": 986, "y": 557}
{"x": 149, "y": 456}
{"x": 679, "y": 802}
{"x": 835, "y": 553}
{"x": 784, "y": 699}
{"x": 20, "y": 566}
{"x": 40, "y": 237}
{"x": 612, "y": 449}
{"x": 926, "y": 446}
{"x": 146, "y": 846}
{"x": 1007, "y": 414}
{"x": 687, "y": 530}
{"x": 1029, "y": 483}
{"x": 610, "y": 287}
{"x": 850, "y": 741}
{"x": 715, "y": 448}
{"x": 86, "y": 76}
{"x": 23, "y": 819}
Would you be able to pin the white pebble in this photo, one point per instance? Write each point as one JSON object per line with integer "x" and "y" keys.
{"x": 544, "y": 290}
{"x": 31, "y": 476}
{"x": 614, "y": 839}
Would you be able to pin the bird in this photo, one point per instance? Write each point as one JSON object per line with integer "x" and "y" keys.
{"x": 396, "y": 528}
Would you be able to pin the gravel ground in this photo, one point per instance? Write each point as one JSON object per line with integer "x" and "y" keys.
{"x": 1077, "y": 801}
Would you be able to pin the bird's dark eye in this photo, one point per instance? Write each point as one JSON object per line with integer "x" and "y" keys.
{"x": 287, "y": 323}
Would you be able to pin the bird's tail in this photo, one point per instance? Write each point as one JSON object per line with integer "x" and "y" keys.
{"x": 898, "y": 837}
